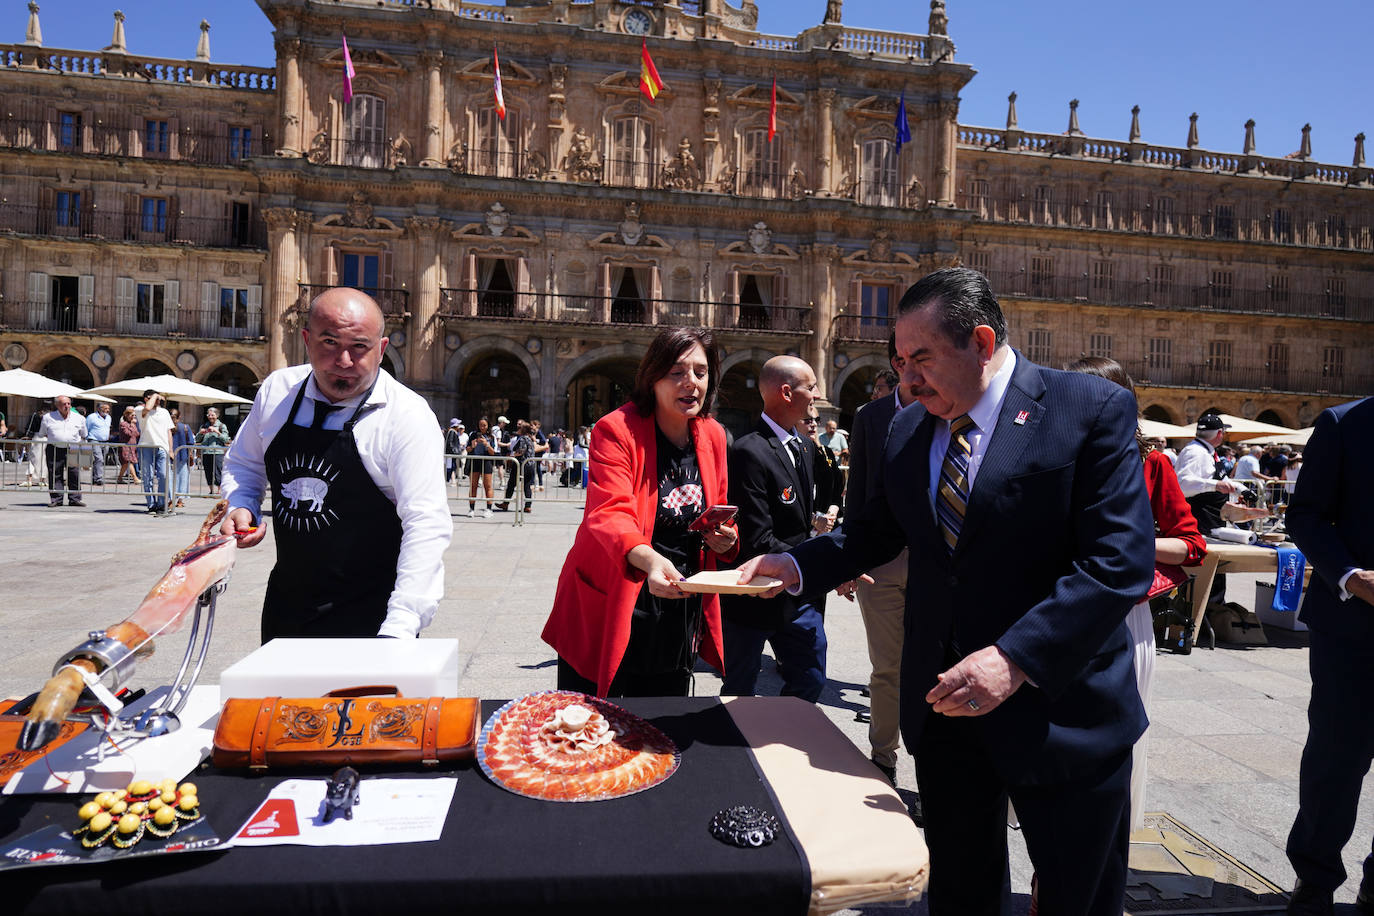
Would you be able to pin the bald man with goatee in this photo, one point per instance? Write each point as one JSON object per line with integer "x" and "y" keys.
{"x": 355, "y": 462}
{"x": 771, "y": 471}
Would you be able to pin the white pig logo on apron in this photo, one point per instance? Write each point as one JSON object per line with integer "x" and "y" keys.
{"x": 303, "y": 495}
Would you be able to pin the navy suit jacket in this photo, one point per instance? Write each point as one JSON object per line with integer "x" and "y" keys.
{"x": 871, "y": 424}
{"x": 1057, "y": 545}
{"x": 1331, "y": 518}
{"x": 774, "y": 497}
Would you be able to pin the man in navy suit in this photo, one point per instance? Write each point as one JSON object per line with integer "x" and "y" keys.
{"x": 1019, "y": 492}
{"x": 1329, "y": 519}
{"x": 772, "y": 481}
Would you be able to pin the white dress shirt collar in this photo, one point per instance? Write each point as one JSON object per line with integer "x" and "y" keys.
{"x": 984, "y": 413}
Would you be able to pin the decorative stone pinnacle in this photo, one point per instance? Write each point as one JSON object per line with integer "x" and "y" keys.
{"x": 1192, "y": 131}
{"x": 1305, "y": 152}
{"x": 1074, "y": 130}
{"x": 1011, "y": 111}
{"x": 1134, "y": 135}
{"x": 1359, "y": 151}
{"x": 117, "y": 44}
{"x": 34, "y": 34}
{"x": 203, "y": 45}
{"x": 1248, "y": 146}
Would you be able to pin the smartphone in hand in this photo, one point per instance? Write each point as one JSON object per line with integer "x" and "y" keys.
{"x": 712, "y": 517}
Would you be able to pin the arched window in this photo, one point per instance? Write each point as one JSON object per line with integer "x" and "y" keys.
{"x": 878, "y": 174}
{"x": 497, "y": 150}
{"x": 365, "y": 135}
{"x": 761, "y": 164}
{"x": 632, "y": 152}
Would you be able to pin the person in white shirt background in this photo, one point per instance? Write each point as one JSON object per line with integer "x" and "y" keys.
{"x": 63, "y": 427}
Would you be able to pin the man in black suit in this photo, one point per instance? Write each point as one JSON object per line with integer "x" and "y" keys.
{"x": 772, "y": 482}
{"x": 1329, "y": 519}
{"x": 1018, "y": 490}
{"x": 882, "y": 602}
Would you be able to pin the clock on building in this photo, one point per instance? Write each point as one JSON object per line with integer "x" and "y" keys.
{"x": 637, "y": 22}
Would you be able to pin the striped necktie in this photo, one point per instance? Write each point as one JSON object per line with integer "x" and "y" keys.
{"x": 951, "y": 497}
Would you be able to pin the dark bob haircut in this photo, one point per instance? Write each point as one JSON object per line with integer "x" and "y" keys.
{"x": 664, "y": 351}
{"x": 965, "y": 301}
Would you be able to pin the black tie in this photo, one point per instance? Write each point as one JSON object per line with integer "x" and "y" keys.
{"x": 794, "y": 446}
{"x": 322, "y": 412}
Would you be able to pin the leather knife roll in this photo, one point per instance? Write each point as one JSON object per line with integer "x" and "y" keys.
{"x": 353, "y": 726}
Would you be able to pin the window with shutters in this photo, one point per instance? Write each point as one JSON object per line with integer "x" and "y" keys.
{"x": 1039, "y": 345}
{"x": 153, "y": 215}
{"x": 1219, "y": 356}
{"x": 495, "y": 288}
{"x": 150, "y": 304}
{"x": 632, "y": 152}
{"x": 1224, "y": 221}
{"x": 1100, "y": 345}
{"x": 1161, "y": 283}
{"x": 1164, "y": 215}
{"x": 1283, "y": 225}
{"x": 1041, "y": 276}
{"x": 1276, "y": 365}
{"x": 497, "y": 150}
{"x": 1105, "y": 213}
{"x": 875, "y": 305}
{"x": 761, "y": 164}
{"x": 980, "y": 261}
{"x": 229, "y": 312}
{"x": 360, "y": 271}
{"x": 69, "y": 130}
{"x": 233, "y": 308}
{"x": 365, "y": 143}
{"x": 1333, "y": 362}
{"x": 978, "y": 196}
{"x": 63, "y": 304}
{"x": 1161, "y": 354}
{"x": 1335, "y": 297}
{"x": 67, "y": 209}
{"x": 878, "y": 173}
{"x": 1103, "y": 282}
{"x": 1221, "y": 287}
{"x": 1278, "y": 289}
{"x": 240, "y": 223}
{"x": 155, "y": 138}
{"x": 240, "y": 143}
{"x": 1040, "y": 204}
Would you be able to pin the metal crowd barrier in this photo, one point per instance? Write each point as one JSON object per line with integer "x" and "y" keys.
{"x": 24, "y": 466}
{"x": 564, "y": 482}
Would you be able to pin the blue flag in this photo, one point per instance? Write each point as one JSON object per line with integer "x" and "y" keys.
{"x": 903, "y": 131}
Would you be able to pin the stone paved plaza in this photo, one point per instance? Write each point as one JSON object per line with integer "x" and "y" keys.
{"x": 1228, "y": 729}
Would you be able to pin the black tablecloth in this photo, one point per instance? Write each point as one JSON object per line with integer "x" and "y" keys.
{"x": 499, "y": 852}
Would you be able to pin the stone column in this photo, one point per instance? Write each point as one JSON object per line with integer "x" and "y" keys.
{"x": 282, "y": 317}
{"x": 819, "y": 349}
{"x": 434, "y": 109}
{"x": 827, "y": 97}
{"x": 946, "y": 149}
{"x": 289, "y": 74}
{"x": 424, "y": 336}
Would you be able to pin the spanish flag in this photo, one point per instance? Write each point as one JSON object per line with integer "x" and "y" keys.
{"x": 500, "y": 100}
{"x": 649, "y": 82}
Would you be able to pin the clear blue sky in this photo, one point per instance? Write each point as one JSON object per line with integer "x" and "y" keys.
{"x": 1282, "y": 63}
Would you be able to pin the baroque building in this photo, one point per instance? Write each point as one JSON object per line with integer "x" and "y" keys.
{"x": 178, "y": 215}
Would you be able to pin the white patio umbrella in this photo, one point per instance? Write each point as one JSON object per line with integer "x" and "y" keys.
{"x": 1241, "y": 428}
{"x": 176, "y": 389}
{"x": 1297, "y": 437}
{"x": 1154, "y": 429}
{"x": 22, "y": 383}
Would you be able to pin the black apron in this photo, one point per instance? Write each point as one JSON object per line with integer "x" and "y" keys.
{"x": 338, "y": 535}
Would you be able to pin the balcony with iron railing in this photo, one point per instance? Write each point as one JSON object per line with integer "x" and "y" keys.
{"x": 144, "y": 69}
{"x": 560, "y": 308}
{"x": 104, "y": 225}
{"x": 394, "y": 302}
{"x": 160, "y": 321}
{"x": 1325, "y": 302}
{"x": 1313, "y": 231}
{"x": 132, "y": 140}
{"x": 1279, "y": 380}
{"x": 862, "y": 328}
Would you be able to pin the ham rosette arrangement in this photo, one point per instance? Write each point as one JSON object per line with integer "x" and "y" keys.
{"x": 567, "y": 746}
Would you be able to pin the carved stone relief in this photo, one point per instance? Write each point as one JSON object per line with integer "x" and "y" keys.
{"x": 498, "y": 220}
{"x": 631, "y": 229}
{"x": 319, "y": 148}
{"x": 581, "y": 163}
{"x": 681, "y": 170}
{"x": 358, "y": 214}
{"x": 760, "y": 238}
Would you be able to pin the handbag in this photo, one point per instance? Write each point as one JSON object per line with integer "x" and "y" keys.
{"x": 353, "y": 726}
{"x": 1167, "y": 578}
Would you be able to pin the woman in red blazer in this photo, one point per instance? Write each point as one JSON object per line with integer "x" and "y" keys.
{"x": 620, "y": 623}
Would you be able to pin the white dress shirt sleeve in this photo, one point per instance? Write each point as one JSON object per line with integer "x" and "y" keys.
{"x": 243, "y": 480}
{"x": 1345, "y": 593}
{"x": 1195, "y": 469}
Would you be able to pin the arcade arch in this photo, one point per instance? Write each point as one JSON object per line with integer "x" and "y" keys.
{"x": 69, "y": 369}
{"x": 477, "y": 392}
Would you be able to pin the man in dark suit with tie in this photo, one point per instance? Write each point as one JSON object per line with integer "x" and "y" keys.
{"x": 1329, "y": 519}
{"x": 1019, "y": 493}
{"x": 771, "y": 481}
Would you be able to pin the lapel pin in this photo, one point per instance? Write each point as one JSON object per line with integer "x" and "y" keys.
{"x": 1021, "y": 418}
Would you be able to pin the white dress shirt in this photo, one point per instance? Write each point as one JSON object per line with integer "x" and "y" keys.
{"x": 401, "y": 448}
{"x": 63, "y": 432}
{"x": 1196, "y": 468}
{"x": 784, "y": 436}
{"x": 1246, "y": 468}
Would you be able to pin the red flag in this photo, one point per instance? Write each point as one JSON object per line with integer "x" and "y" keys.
{"x": 348, "y": 73}
{"x": 649, "y": 82}
{"x": 496, "y": 86}
{"x": 773, "y": 112}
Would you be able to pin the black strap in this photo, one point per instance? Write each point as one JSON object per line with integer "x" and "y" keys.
{"x": 322, "y": 412}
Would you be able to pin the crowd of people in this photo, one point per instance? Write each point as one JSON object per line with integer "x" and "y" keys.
{"x": 479, "y": 456}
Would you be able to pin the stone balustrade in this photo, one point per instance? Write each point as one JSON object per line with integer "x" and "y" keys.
{"x": 149, "y": 69}
{"x": 883, "y": 44}
{"x": 1015, "y": 140}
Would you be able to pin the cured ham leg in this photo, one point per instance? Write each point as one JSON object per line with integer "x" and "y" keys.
{"x": 164, "y": 610}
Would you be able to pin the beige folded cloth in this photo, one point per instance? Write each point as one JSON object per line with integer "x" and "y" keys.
{"x": 853, "y": 827}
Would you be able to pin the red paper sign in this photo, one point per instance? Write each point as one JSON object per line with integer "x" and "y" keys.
{"x": 277, "y": 817}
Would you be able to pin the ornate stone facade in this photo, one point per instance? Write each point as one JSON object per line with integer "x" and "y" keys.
{"x": 523, "y": 263}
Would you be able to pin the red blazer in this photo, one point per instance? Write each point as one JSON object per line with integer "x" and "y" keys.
{"x": 1173, "y": 517}
{"x": 589, "y": 625}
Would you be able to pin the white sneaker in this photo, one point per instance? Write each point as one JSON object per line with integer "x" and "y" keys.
{"x": 486, "y": 513}
{"x": 469, "y": 514}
